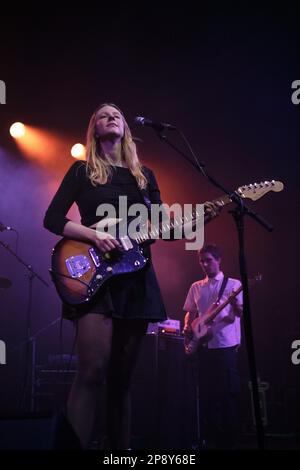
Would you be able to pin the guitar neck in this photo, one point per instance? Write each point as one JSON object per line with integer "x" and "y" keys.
{"x": 220, "y": 307}
{"x": 250, "y": 191}
{"x": 177, "y": 222}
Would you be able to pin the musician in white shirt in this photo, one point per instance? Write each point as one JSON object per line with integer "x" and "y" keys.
{"x": 218, "y": 372}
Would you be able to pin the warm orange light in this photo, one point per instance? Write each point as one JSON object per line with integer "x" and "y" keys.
{"x": 17, "y": 130}
{"x": 78, "y": 151}
{"x": 45, "y": 147}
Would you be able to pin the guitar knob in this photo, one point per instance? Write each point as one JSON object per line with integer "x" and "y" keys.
{"x": 137, "y": 263}
{"x": 109, "y": 269}
{"x": 99, "y": 276}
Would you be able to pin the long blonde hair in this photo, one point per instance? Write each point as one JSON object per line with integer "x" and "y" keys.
{"x": 99, "y": 169}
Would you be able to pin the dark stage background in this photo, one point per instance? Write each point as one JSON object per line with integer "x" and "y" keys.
{"x": 225, "y": 81}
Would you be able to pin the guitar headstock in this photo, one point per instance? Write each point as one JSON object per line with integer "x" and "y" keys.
{"x": 255, "y": 280}
{"x": 257, "y": 190}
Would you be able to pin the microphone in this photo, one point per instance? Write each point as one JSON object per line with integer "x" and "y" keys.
{"x": 4, "y": 227}
{"x": 157, "y": 126}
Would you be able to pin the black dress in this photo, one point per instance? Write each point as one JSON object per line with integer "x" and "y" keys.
{"x": 129, "y": 296}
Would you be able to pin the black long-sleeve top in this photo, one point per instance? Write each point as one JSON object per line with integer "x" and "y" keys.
{"x": 76, "y": 187}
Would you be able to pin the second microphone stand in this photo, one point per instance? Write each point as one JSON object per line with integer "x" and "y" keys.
{"x": 30, "y": 340}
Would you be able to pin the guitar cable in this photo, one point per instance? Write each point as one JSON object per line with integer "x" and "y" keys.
{"x": 54, "y": 273}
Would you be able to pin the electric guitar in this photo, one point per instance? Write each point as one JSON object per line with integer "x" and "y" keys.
{"x": 202, "y": 326}
{"x": 79, "y": 269}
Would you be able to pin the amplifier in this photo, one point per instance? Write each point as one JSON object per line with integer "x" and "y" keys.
{"x": 169, "y": 326}
{"x": 164, "y": 394}
{"x": 53, "y": 381}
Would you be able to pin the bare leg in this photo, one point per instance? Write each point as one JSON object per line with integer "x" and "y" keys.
{"x": 93, "y": 349}
{"x": 126, "y": 342}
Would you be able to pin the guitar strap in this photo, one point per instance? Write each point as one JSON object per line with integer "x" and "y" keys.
{"x": 144, "y": 197}
{"x": 222, "y": 288}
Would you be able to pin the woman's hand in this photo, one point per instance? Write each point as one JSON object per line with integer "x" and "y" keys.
{"x": 212, "y": 209}
{"x": 102, "y": 240}
{"x": 105, "y": 242}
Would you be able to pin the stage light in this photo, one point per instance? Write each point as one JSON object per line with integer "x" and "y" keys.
{"x": 17, "y": 130}
{"x": 78, "y": 151}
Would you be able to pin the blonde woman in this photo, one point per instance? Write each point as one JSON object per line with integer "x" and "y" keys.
{"x": 111, "y": 326}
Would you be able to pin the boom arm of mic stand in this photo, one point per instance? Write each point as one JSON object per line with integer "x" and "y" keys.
{"x": 199, "y": 166}
{"x": 28, "y": 266}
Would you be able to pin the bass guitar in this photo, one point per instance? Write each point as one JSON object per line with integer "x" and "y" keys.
{"x": 202, "y": 326}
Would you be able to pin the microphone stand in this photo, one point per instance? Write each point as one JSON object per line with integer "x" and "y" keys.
{"x": 238, "y": 215}
{"x": 30, "y": 340}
